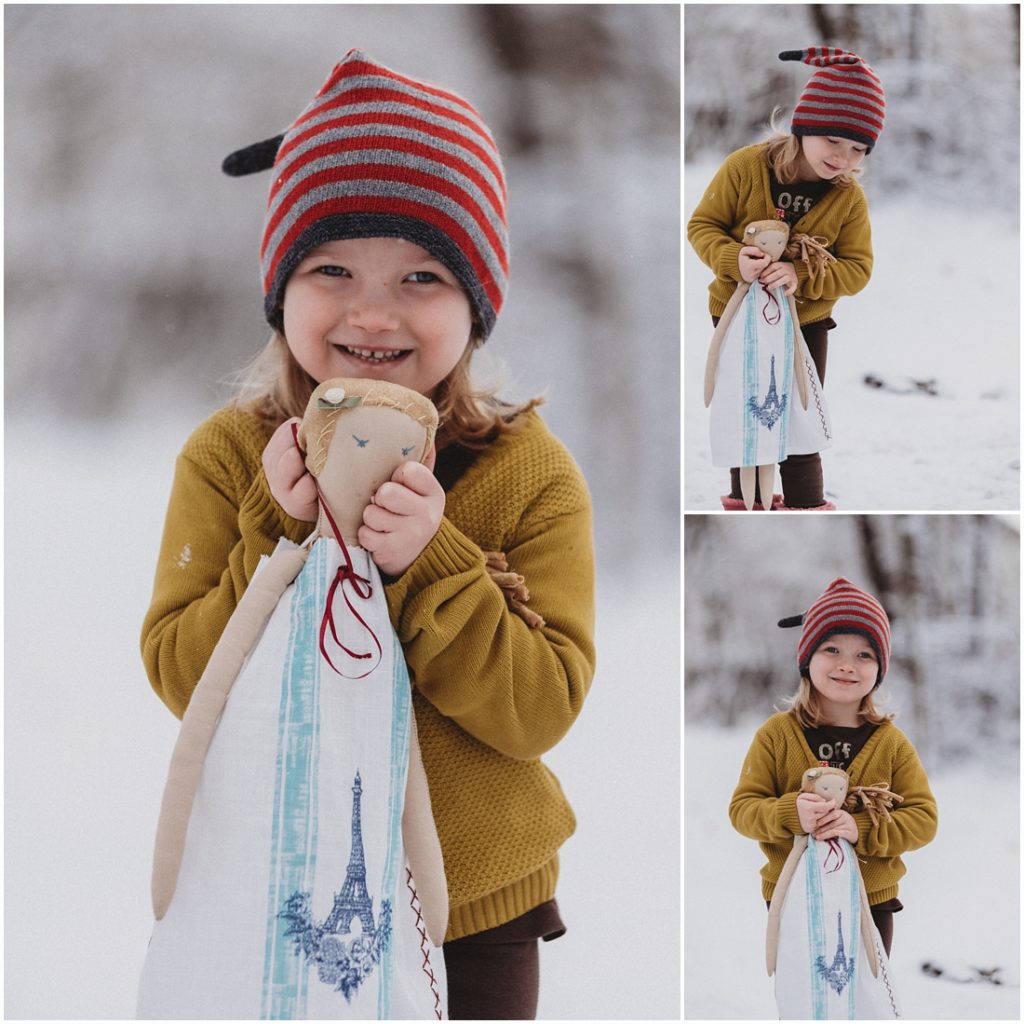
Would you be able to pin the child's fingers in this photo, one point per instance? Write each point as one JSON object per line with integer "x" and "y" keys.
{"x": 380, "y": 520}
{"x": 416, "y": 476}
{"x": 397, "y": 498}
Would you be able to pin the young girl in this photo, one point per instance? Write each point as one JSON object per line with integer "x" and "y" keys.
{"x": 384, "y": 256}
{"x": 807, "y": 178}
{"x": 843, "y": 655}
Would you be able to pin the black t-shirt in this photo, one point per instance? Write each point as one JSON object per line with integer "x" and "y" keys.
{"x": 794, "y": 200}
{"x": 838, "y": 745}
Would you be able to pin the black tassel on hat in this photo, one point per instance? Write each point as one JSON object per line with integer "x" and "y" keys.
{"x": 257, "y": 157}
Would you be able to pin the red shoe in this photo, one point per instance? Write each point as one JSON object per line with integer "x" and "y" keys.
{"x": 779, "y": 505}
{"x": 731, "y": 504}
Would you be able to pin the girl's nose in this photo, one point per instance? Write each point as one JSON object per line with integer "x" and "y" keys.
{"x": 372, "y": 310}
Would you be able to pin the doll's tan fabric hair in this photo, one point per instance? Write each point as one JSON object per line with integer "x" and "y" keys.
{"x": 321, "y": 417}
{"x": 755, "y": 227}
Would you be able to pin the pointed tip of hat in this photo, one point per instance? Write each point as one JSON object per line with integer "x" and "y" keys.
{"x": 792, "y": 620}
{"x": 792, "y": 55}
{"x": 251, "y": 159}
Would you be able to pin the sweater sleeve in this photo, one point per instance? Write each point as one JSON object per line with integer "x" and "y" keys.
{"x": 854, "y": 259}
{"x": 756, "y": 810}
{"x": 914, "y": 822}
{"x": 714, "y": 218}
{"x": 514, "y": 688}
{"x": 220, "y": 519}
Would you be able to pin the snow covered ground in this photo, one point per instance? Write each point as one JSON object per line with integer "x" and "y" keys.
{"x": 87, "y": 746}
{"x": 942, "y": 305}
{"x": 960, "y": 893}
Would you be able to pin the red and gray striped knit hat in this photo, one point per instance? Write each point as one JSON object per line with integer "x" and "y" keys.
{"x": 377, "y": 154}
{"x": 843, "y": 608}
{"x": 844, "y": 98}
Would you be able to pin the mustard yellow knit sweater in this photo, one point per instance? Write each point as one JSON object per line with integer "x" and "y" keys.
{"x": 490, "y": 694}
{"x": 741, "y": 192}
{"x": 764, "y": 804}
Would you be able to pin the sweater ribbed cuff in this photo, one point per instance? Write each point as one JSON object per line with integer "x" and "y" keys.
{"x": 504, "y": 905}
{"x": 449, "y": 553}
{"x": 264, "y": 515}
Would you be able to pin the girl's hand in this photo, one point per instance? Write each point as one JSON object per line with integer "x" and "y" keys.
{"x": 837, "y": 824}
{"x": 403, "y": 516}
{"x": 752, "y": 262}
{"x": 811, "y": 807}
{"x": 780, "y": 274}
{"x": 290, "y": 483}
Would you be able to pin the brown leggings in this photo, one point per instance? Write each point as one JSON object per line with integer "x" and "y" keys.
{"x": 495, "y": 974}
{"x": 802, "y": 483}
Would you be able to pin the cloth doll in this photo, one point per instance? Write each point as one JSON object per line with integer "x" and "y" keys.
{"x": 297, "y": 872}
{"x": 756, "y": 358}
{"x": 822, "y": 945}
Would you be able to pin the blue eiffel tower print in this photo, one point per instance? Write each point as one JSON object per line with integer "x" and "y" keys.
{"x": 769, "y": 411}
{"x": 840, "y": 974}
{"x": 341, "y": 960}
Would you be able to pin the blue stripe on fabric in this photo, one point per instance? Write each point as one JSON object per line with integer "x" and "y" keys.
{"x": 296, "y": 794}
{"x": 815, "y": 934}
{"x": 787, "y": 361}
{"x": 750, "y": 381}
{"x": 401, "y": 712}
{"x": 857, "y": 954}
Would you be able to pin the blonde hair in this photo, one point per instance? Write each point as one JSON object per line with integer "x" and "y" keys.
{"x": 275, "y": 388}
{"x": 804, "y": 706}
{"x": 782, "y": 151}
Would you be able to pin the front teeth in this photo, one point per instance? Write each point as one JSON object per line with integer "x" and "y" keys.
{"x": 374, "y": 356}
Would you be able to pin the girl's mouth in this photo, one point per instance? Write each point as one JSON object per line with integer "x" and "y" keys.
{"x": 374, "y": 356}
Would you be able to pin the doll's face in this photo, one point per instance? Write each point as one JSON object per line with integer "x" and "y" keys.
{"x": 832, "y": 787}
{"x": 377, "y": 308}
{"x": 771, "y": 242}
{"x": 370, "y": 442}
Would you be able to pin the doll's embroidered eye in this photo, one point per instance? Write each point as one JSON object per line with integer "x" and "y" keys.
{"x": 362, "y": 442}
{"x": 405, "y": 451}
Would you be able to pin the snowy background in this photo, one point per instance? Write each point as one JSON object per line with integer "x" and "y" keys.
{"x": 131, "y": 291}
{"x": 939, "y": 322}
{"x": 951, "y": 585}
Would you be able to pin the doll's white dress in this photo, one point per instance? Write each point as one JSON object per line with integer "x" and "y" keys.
{"x": 295, "y": 899}
{"x": 757, "y": 418}
{"x": 822, "y": 971}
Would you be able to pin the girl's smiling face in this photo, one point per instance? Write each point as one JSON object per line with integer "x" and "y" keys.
{"x": 843, "y": 671}
{"x": 380, "y": 308}
{"x": 825, "y": 157}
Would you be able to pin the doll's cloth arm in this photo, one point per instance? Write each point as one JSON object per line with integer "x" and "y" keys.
{"x": 756, "y": 811}
{"x": 220, "y": 520}
{"x": 710, "y": 226}
{"x": 851, "y": 270}
{"x": 515, "y": 688}
{"x": 913, "y": 823}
